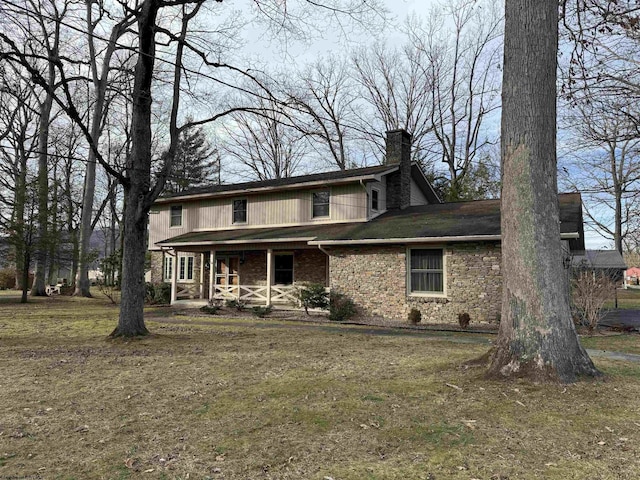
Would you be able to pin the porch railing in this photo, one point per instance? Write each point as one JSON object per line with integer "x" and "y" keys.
{"x": 257, "y": 293}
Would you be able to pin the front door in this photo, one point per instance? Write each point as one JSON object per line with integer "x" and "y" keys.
{"x": 227, "y": 278}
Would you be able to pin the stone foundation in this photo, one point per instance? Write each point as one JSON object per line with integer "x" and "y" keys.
{"x": 375, "y": 278}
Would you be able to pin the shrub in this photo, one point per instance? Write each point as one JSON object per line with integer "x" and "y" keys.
{"x": 464, "y": 319}
{"x": 313, "y": 295}
{"x": 239, "y": 305}
{"x": 149, "y": 292}
{"x": 162, "y": 293}
{"x": 211, "y": 309}
{"x": 341, "y": 307}
{"x": 589, "y": 292}
{"x": 415, "y": 317}
{"x": 7, "y": 278}
{"x": 262, "y": 311}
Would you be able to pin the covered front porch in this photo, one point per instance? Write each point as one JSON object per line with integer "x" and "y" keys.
{"x": 267, "y": 275}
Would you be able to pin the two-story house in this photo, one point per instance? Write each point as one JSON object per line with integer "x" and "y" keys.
{"x": 379, "y": 235}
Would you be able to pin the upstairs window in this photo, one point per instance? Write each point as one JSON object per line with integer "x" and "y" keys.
{"x": 175, "y": 219}
{"x": 321, "y": 204}
{"x": 375, "y": 200}
{"x": 426, "y": 271}
{"x": 240, "y": 211}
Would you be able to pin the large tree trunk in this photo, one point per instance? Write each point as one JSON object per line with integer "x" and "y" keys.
{"x": 537, "y": 337}
{"x": 38, "y": 287}
{"x": 136, "y": 189}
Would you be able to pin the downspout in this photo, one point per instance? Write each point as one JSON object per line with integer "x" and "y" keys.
{"x": 366, "y": 199}
{"x": 322, "y": 249}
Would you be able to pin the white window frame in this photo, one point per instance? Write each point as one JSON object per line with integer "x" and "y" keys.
{"x": 167, "y": 268}
{"x": 320, "y": 217}
{"x": 246, "y": 211}
{"x": 186, "y": 263}
{"x": 171, "y": 216}
{"x": 441, "y": 294}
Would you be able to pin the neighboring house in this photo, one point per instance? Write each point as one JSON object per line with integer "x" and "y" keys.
{"x": 632, "y": 277}
{"x": 609, "y": 262}
{"x": 379, "y": 235}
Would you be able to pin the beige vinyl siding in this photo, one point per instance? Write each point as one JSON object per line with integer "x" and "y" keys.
{"x": 417, "y": 197}
{"x": 382, "y": 196}
{"x": 348, "y": 203}
{"x": 159, "y": 218}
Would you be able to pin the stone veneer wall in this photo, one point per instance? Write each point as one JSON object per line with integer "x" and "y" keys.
{"x": 375, "y": 279}
{"x": 156, "y": 266}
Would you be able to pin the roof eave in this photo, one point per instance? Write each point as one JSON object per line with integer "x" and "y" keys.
{"x": 293, "y": 186}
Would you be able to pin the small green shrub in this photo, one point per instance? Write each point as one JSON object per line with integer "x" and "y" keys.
{"x": 210, "y": 309}
{"x": 162, "y": 293}
{"x": 341, "y": 307}
{"x": 415, "y": 316}
{"x": 464, "y": 319}
{"x": 239, "y": 305}
{"x": 262, "y": 311}
{"x": 313, "y": 295}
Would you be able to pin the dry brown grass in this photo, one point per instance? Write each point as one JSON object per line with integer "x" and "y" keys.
{"x": 234, "y": 401}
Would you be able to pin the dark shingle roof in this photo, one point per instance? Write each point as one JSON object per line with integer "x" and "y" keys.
{"x": 480, "y": 217}
{"x": 447, "y": 220}
{"x": 599, "y": 259}
{"x": 282, "y": 182}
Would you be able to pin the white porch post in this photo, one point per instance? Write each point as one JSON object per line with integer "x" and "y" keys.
{"x": 201, "y": 276}
{"x": 174, "y": 278}
{"x": 269, "y": 270}
{"x": 212, "y": 274}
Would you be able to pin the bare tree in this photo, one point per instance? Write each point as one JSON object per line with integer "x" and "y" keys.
{"x": 265, "y": 143}
{"x": 604, "y": 164}
{"x": 102, "y": 73}
{"x": 395, "y": 89}
{"x": 324, "y": 92}
{"x": 18, "y": 146}
{"x": 464, "y": 66}
{"x": 537, "y": 338}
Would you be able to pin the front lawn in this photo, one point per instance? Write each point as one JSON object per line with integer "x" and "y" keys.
{"x": 239, "y": 399}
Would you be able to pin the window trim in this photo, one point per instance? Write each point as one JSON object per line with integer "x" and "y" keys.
{"x": 171, "y": 216}
{"x": 320, "y": 217}
{"x": 444, "y": 292}
{"x": 233, "y": 211}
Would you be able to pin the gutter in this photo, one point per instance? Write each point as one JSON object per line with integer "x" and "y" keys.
{"x": 387, "y": 241}
{"x": 237, "y": 242}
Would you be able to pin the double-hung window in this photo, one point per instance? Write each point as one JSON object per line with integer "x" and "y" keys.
{"x": 167, "y": 268}
{"x": 240, "y": 211}
{"x": 321, "y": 200}
{"x": 426, "y": 271}
{"x": 185, "y": 268}
{"x": 175, "y": 219}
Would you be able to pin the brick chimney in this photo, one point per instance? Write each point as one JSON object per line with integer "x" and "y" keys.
{"x": 399, "y": 183}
